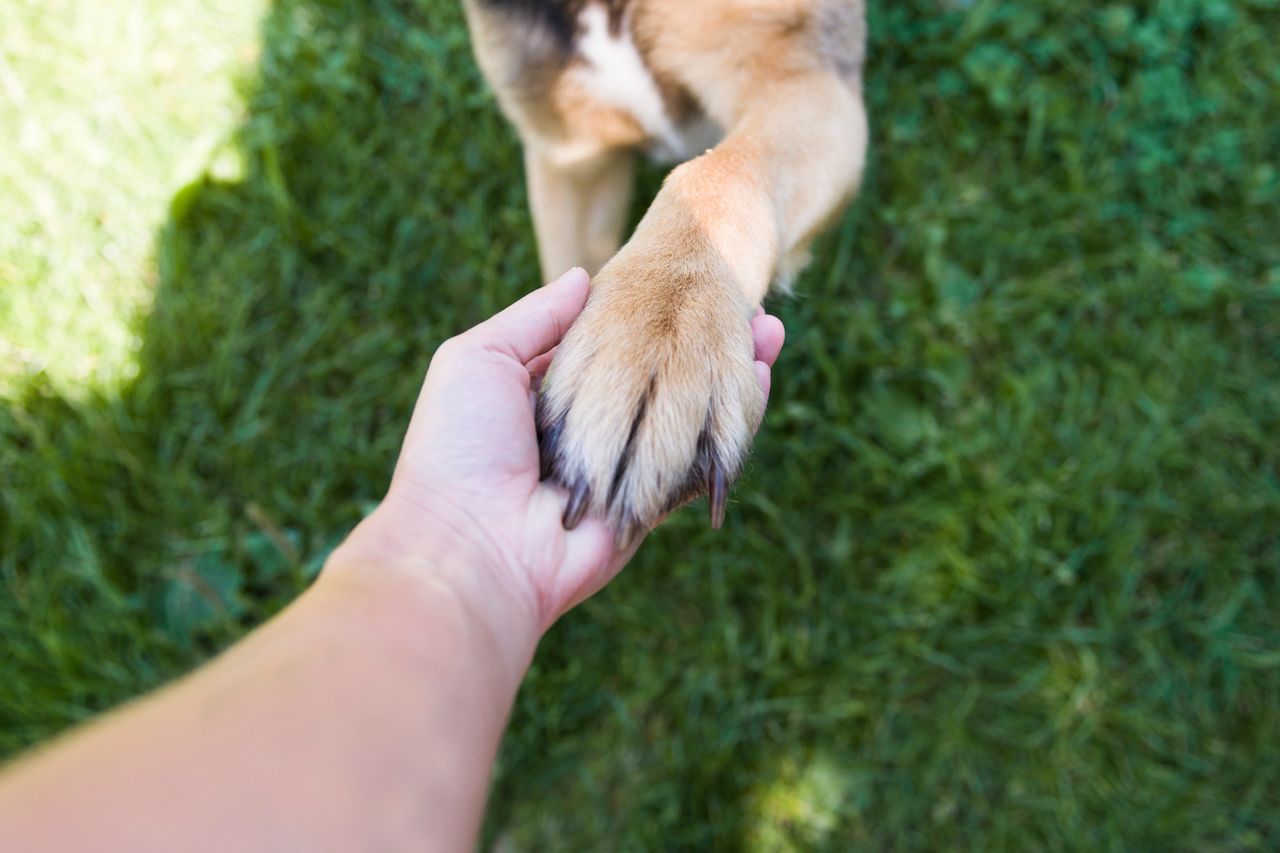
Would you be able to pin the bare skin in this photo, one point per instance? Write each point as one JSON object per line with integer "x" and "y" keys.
{"x": 366, "y": 716}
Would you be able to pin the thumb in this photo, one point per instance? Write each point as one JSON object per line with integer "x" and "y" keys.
{"x": 537, "y": 322}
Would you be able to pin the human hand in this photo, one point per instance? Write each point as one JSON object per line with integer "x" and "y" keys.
{"x": 466, "y": 504}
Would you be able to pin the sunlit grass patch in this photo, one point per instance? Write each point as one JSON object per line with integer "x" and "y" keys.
{"x": 803, "y": 806}
{"x": 108, "y": 108}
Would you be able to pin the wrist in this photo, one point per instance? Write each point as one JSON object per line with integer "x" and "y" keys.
{"x": 421, "y": 575}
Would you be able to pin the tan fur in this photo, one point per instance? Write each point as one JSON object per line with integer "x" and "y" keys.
{"x": 579, "y": 210}
{"x": 653, "y": 387}
{"x": 607, "y": 128}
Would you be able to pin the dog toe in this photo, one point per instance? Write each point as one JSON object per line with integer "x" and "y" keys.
{"x": 644, "y": 409}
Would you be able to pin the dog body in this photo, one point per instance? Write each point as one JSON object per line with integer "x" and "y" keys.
{"x": 652, "y": 398}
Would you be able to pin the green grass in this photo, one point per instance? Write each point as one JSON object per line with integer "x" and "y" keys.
{"x": 1004, "y": 571}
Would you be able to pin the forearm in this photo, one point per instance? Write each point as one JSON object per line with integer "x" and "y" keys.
{"x": 366, "y": 716}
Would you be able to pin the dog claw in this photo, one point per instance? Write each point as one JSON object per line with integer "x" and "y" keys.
{"x": 577, "y": 506}
{"x": 716, "y": 493}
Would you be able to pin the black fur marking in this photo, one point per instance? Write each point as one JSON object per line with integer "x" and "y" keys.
{"x": 623, "y": 461}
{"x": 695, "y": 481}
{"x": 559, "y": 17}
{"x": 549, "y": 431}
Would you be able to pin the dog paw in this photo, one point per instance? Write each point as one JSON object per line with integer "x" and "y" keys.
{"x": 652, "y": 397}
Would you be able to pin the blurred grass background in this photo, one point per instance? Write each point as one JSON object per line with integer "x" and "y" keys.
{"x": 1004, "y": 571}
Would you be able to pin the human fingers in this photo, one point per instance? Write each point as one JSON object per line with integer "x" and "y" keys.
{"x": 538, "y": 367}
{"x": 536, "y": 323}
{"x": 769, "y": 334}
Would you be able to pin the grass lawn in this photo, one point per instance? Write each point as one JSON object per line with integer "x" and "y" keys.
{"x": 1004, "y": 571}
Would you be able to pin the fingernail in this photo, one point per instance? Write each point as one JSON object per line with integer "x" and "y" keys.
{"x": 569, "y": 276}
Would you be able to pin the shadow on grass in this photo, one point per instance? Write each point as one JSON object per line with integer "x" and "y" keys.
{"x": 370, "y": 205}
{"x": 1003, "y": 572}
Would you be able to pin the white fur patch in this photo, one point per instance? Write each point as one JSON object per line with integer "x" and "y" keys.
{"x": 615, "y": 74}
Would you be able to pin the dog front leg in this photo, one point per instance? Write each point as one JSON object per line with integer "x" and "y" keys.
{"x": 653, "y": 397}
{"x": 579, "y": 208}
